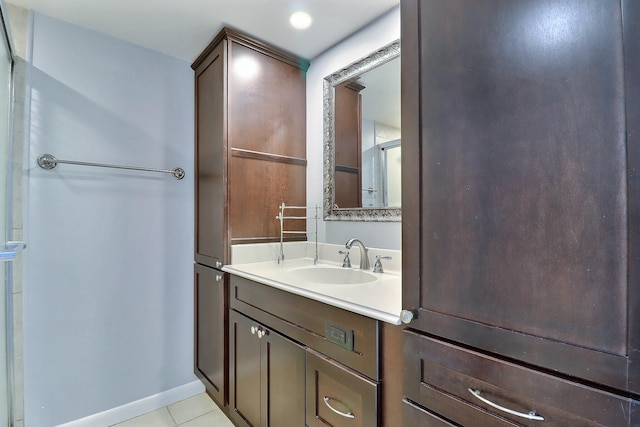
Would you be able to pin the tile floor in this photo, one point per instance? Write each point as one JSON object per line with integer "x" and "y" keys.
{"x": 197, "y": 411}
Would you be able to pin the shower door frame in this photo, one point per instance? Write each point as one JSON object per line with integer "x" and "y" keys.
{"x": 8, "y": 250}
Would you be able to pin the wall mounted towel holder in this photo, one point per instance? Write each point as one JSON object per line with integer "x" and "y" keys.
{"x": 281, "y": 217}
{"x": 48, "y": 161}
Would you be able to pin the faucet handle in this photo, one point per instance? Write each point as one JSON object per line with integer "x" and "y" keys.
{"x": 346, "y": 263}
{"x": 377, "y": 267}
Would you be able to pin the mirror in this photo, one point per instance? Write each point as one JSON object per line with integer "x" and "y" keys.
{"x": 362, "y": 144}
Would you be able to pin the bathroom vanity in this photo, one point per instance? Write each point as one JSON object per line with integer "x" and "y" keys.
{"x": 275, "y": 344}
{"x": 308, "y": 349}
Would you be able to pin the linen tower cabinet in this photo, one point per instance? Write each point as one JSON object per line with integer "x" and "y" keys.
{"x": 521, "y": 138}
{"x": 250, "y": 157}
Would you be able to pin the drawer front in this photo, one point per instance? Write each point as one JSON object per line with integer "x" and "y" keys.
{"x": 305, "y": 321}
{"x": 465, "y": 386}
{"x": 337, "y": 396}
{"x": 415, "y": 416}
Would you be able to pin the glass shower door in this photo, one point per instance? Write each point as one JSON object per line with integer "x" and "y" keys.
{"x": 7, "y": 250}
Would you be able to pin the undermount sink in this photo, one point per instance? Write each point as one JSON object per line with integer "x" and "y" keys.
{"x": 332, "y": 275}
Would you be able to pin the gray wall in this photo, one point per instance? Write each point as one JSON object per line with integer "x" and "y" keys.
{"x": 108, "y": 300}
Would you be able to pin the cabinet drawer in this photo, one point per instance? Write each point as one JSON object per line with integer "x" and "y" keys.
{"x": 415, "y": 416}
{"x": 447, "y": 379}
{"x": 337, "y": 396}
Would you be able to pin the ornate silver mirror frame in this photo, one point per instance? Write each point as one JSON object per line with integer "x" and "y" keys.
{"x": 332, "y": 213}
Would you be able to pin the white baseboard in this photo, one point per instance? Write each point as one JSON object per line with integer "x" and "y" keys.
{"x": 139, "y": 407}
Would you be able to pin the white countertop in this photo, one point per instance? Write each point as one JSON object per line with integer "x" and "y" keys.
{"x": 380, "y": 299}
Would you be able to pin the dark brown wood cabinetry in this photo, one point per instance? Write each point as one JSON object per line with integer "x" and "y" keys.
{"x": 267, "y": 376}
{"x": 462, "y": 384}
{"x": 250, "y": 101}
{"x": 338, "y": 396}
{"x": 359, "y": 381}
{"x": 305, "y": 320}
{"x": 519, "y": 138}
{"x": 416, "y": 416}
{"x": 211, "y": 234}
{"x": 211, "y": 333}
{"x": 250, "y": 143}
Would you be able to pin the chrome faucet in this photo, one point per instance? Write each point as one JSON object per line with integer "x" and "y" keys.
{"x": 364, "y": 253}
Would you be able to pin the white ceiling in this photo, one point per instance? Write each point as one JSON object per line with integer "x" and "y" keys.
{"x": 183, "y": 28}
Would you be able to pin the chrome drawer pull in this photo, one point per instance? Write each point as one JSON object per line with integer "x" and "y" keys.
{"x": 530, "y": 416}
{"x": 347, "y": 415}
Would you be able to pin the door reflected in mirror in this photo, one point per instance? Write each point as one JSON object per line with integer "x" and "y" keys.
{"x": 363, "y": 139}
{"x": 390, "y": 155}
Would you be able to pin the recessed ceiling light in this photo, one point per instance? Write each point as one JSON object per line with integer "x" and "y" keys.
{"x": 300, "y": 20}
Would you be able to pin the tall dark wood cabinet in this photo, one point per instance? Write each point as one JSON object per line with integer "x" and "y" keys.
{"x": 250, "y": 150}
{"x": 521, "y": 250}
{"x": 250, "y": 142}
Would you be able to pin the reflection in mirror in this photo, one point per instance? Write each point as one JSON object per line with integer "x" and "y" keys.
{"x": 381, "y": 133}
{"x": 362, "y": 139}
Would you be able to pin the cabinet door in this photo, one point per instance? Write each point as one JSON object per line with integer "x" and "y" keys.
{"x": 211, "y": 331}
{"x": 267, "y": 148}
{"x": 514, "y": 127}
{"x": 283, "y": 377}
{"x": 267, "y": 376}
{"x": 211, "y": 195}
{"x": 267, "y": 101}
{"x": 245, "y": 390}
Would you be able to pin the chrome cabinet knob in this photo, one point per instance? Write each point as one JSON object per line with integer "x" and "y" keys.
{"x": 257, "y": 330}
{"x": 218, "y": 264}
{"x": 406, "y": 316}
{"x": 218, "y": 277}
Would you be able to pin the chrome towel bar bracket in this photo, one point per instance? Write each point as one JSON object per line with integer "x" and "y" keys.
{"x": 47, "y": 161}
